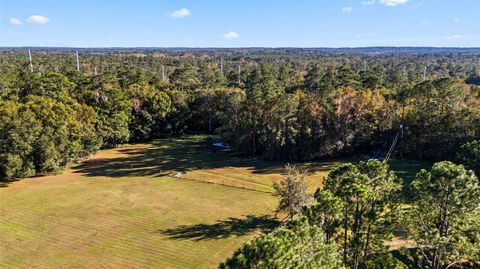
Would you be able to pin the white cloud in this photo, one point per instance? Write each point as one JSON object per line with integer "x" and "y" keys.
{"x": 38, "y": 19}
{"x": 180, "y": 13}
{"x": 14, "y": 21}
{"x": 456, "y": 20}
{"x": 347, "y": 9}
{"x": 393, "y": 3}
{"x": 368, "y": 2}
{"x": 231, "y": 35}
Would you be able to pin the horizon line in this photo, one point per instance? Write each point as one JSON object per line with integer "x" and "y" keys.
{"x": 246, "y": 47}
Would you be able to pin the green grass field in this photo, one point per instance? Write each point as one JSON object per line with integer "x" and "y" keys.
{"x": 145, "y": 206}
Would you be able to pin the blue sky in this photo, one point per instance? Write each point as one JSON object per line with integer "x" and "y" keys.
{"x": 239, "y": 23}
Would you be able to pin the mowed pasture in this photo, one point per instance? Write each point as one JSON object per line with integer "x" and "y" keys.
{"x": 171, "y": 203}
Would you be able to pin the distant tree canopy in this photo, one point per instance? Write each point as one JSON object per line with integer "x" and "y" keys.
{"x": 280, "y": 105}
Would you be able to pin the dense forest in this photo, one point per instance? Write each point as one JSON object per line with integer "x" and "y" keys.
{"x": 283, "y": 104}
{"x": 277, "y": 104}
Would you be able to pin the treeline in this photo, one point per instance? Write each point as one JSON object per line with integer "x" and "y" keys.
{"x": 388, "y": 64}
{"x": 278, "y": 109}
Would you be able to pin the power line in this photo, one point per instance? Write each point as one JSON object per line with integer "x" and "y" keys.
{"x": 239, "y": 74}
{"x": 221, "y": 66}
{"x": 392, "y": 147}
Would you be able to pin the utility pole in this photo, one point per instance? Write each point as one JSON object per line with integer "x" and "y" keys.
{"x": 30, "y": 59}
{"x": 401, "y": 140}
{"x": 221, "y": 66}
{"x": 78, "y": 62}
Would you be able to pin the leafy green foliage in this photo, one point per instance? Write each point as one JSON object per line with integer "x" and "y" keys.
{"x": 296, "y": 245}
{"x": 356, "y": 209}
{"x": 112, "y": 106}
{"x": 469, "y": 156}
{"x": 444, "y": 221}
{"x": 43, "y": 135}
{"x": 441, "y": 115}
{"x": 280, "y": 106}
{"x": 150, "y": 107}
{"x": 384, "y": 260}
{"x": 285, "y": 106}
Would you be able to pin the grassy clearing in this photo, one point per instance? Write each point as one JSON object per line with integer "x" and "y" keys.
{"x": 123, "y": 209}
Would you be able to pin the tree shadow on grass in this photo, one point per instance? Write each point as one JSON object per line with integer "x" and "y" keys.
{"x": 4, "y": 184}
{"x": 179, "y": 154}
{"x": 191, "y": 152}
{"x": 223, "y": 228}
{"x": 165, "y": 156}
{"x": 407, "y": 170}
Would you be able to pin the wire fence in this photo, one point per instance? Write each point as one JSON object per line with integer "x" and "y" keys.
{"x": 229, "y": 183}
{"x": 246, "y": 186}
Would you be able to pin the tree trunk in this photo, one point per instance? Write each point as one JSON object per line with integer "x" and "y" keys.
{"x": 209, "y": 121}
{"x": 356, "y": 233}
{"x": 369, "y": 231}
{"x": 254, "y": 149}
{"x": 345, "y": 234}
